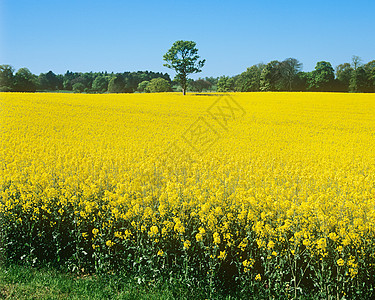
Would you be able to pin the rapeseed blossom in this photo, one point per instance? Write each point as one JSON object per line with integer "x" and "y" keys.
{"x": 293, "y": 176}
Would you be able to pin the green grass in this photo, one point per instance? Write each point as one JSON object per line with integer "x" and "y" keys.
{"x": 18, "y": 282}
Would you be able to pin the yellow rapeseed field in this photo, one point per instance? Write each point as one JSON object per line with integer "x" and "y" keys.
{"x": 277, "y": 187}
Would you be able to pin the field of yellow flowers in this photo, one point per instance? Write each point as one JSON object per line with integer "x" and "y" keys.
{"x": 265, "y": 192}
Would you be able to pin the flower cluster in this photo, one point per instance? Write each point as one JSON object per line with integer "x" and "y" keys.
{"x": 285, "y": 193}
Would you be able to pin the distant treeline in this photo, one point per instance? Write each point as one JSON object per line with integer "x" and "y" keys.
{"x": 90, "y": 82}
{"x": 283, "y": 75}
{"x": 287, "y": 76}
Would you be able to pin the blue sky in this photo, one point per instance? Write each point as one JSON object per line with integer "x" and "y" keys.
{"x": 123, "y": 36}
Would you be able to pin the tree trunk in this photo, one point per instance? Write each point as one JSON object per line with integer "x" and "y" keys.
{"x": 183, "y": 83}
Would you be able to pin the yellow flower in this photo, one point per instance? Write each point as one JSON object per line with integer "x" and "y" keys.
{"x": 199, "y": 237}
{"x": 187, "y": 244}
{"x": 154, "y": 230}
{"x": 248, "y": 263}
{"x": 216, "y": 237}
{"x": 109, "y": 243}
{"x": 306, "y": 242}
{"x": 202, "y": 231}
{"x": 353, "y": 272}
{"x": 160, "y": 252}
{"x": 243, "y": 244}
{"x": 118, "y": 234}
{"x": 270, "y": 245}
{"x": 71, "y": 156}
{"x": 258, "y": 277}
{"x": 322, "y": 244}
{"x": 179, "y": 227}
{"x": 333, "y": 236}
{"x": 340, "y": 262}
{"x": 222, "y": 255}
{"x": 127, "y": 233}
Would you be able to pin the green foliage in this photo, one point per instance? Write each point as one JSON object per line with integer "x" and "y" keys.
{"x": 19, "y": 282}
{"x": 158, "y": 85}
{"x": 116, "y": 85}
{"x": 370, "y": 73}
{"x": 225, "y": 84}
{"x": 67, "y": 82}
{"x": 275, "y": 76}
{"x": 49, "y": 81}
{"x": 281, "y": 76}
{"x": 322, "y": 78}
{"x": 270, "y": 76}
{"x": 356, "y": 62}
{"x": 25, "y": 81}
{"x": 249, "y": 81}
{"x": 135, "y": 264}
{"x": 289, "y": 68}
{"x": 78, "y": 87}
{"x": 184, "y": 59}
{"x": 6, "y": 78}
{"x": 358, "y": 80}
{"x": 212, "y": 80}
{"x": 100, "y": 84}
{"x": 85, "y": 79}
{"x": 199, "y": 85}
{"x": 300, "y": 81}
{"x": 129, "y": 80}
{"x": 142, "y": 87}
{"x": 343, "y": 75}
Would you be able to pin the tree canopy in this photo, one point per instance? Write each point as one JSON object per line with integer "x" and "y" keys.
{"x": 183, "y": 58}
{"x": 25, "y": 81}
{"x": 286, "y": 75}
{"x": 225, "y": 84}
{"x": 89, "y": 82}
{"x": 322, "y": 78}
{"x": 158, "y": 85}
{"x": 6, "y": 78}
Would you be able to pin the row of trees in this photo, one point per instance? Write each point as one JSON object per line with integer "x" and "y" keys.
{"x": 283, "y": 75}
{"x": 24, "y": 81}
{"x": 287, "y": 75}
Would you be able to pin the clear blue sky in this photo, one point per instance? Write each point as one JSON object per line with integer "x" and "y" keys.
{"x": 119, "y": 36}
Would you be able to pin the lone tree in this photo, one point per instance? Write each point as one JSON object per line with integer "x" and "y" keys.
{"x": 183, "y": 58}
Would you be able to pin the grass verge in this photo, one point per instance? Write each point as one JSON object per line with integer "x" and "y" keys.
{"x": 18, "y": 282}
